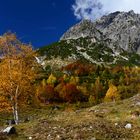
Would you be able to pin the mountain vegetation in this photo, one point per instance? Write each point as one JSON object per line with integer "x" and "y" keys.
{"x": 86, "y": 82}
{"x": 93, "y": 52}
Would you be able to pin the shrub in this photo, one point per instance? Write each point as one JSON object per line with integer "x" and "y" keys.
{"x": 47, "y": 94}
{"x": 70, "y": 93}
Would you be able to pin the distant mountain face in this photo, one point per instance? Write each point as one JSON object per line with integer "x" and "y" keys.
{"x": 118, "y": 30}
{"x": 113, "y": 39}
{"x": 86, "y": 49}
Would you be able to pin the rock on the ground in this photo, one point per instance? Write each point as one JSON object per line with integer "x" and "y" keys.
{"x": 9, "y": 130}
{"x": 128, "y": 126}
{"x": 30, "y": 138}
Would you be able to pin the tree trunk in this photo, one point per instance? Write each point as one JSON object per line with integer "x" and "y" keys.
{"x": 15, "y": 107}
{"x": 15, "y": 113}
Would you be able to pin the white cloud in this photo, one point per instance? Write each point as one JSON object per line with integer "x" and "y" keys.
{"x": 93, "y": 9}
{"x": 87, "y": 9}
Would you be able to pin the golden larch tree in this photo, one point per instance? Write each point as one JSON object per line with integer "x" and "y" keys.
{"x": 112, "y": 93}
{"x": 17, "y": 71}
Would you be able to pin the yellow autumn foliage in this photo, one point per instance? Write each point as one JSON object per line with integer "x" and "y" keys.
{"x": 74, "y": 79}
{"x": 51, "y": 80}
{"x": 112, "y": 93}
{"x": 4, "y": 105}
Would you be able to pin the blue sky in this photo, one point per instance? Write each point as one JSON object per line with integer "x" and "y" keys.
{"x": 42, "y": 22}
{"x": 37, "y": 21}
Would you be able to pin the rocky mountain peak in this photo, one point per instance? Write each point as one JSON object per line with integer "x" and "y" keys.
{"x": 83, "y": 29}
{"x": 120, "y": 30}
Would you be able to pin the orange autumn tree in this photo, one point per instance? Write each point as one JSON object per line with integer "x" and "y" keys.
{"x": 70, "y": 93}
{"x": 17, "y": 71}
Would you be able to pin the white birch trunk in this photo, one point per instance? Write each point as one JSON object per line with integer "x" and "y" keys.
{"x": 16, "y": 114}
{"x": 15, "y": 107}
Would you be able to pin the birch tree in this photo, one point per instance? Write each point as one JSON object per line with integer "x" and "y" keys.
{"x": 17, "y": 70}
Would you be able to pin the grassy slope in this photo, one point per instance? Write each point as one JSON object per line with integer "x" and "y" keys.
{"x": 83, "y": 124}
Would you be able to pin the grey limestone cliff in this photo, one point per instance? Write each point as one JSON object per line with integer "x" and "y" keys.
{"x": 120, "y": 30}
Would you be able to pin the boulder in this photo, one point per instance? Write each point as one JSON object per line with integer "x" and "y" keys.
{"x": 9, "y": 130}
{"x": 128, "y": 126}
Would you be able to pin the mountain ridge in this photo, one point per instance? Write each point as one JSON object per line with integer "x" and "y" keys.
{"x": 121, "y": 29}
